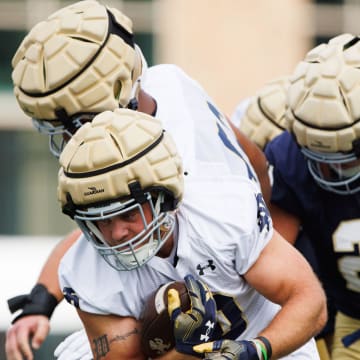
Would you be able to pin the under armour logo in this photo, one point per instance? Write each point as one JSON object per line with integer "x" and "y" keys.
{"x": 71, "y": 296}
{"x": 209, "y": 327}
{"x": 209, "y": 265}
{"x": 159, "y": 346}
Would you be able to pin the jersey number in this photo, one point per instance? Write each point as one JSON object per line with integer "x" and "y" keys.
{"x": 231, "y": 321}
{"x": 347, "y": 240}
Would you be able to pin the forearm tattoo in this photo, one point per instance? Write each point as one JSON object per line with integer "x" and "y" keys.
{"x": 102, "y": 343}
{"x": 101, "y": 346}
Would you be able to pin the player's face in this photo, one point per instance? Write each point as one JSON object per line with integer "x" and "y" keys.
{"x": 335, "y": 172}
{"x": 340, "y": 170}
{"x": 347, "y": 169}
{"x": 123, "y": 227}
{"x": 126, "y": 233}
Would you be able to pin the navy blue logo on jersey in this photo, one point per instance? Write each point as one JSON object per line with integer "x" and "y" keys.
{"x": 263, "y": 215}
{"x": 207, "y": 266}
{"x": 71, "y": 296}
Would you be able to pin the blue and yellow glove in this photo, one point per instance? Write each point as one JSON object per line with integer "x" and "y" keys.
{"x": 235, "y": 350}
{"x": 196, "y": 325}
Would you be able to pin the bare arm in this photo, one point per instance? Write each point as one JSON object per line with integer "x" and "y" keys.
{"x": 49, "y": 272}
{"x": 115, "y": 337}
{"x": 257, "y": 159}
{"x": 286, "y": 224}
{"x": 282, "y": 275}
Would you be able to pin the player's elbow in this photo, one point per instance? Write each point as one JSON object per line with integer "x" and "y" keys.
{"x": 323, "y": 320}
{"x": 320, "y": 315}
{"x": 312, "y": 300}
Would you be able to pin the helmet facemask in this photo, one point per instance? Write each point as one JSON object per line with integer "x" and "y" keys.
{"x": 334, "y": 171}
{"x": 138, "y": 250}
{"x": 60, "y": 133}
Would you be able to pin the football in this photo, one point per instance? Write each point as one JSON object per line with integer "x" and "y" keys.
{"x": 157, "y": 335}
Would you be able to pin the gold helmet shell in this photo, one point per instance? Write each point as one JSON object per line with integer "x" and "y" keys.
{"x": 324, "y": 107}
{"x": 115, "y": 150}
{"x": 264, "y": 117}
{"x": 81, "y": 59}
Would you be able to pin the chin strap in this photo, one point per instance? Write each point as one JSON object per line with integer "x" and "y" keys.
{"x": 38, "y": 302}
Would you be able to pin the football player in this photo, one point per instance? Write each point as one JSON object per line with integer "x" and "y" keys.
{"x": 262, "y": 118}
{"x": 147, "y": 220}
{"x": 316, "y": 176}
{"x": 83, "y": 60}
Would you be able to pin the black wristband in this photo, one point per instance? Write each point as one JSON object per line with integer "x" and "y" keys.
{"x": 38, "y": 302}
{"x": 267, "y": 344}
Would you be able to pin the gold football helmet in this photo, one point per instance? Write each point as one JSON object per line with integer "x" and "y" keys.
{"x": 79, "y": 62}
{"x": 264, "y": 116}
{"x": 324, "y": 112}
{"x": 114, "y": 165}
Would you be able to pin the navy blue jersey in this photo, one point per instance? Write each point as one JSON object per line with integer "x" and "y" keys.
{"x": 331, "y": 221}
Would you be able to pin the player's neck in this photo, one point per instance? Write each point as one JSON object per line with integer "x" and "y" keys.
{"x": 147, "y": 103}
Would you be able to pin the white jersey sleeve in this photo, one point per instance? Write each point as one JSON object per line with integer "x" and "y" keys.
{"x": 200, "y": 130}
{"x": 229, "y": 213}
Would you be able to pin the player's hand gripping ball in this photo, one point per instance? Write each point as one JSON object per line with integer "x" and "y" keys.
{"x": 157, "y": 336}
{"x": 196, "y": 325}
{"x": 193, "y": 313}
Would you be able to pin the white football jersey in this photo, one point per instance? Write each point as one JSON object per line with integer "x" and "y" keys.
{"x": 222, "y": 223}
{"x": 218, "y": 238}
